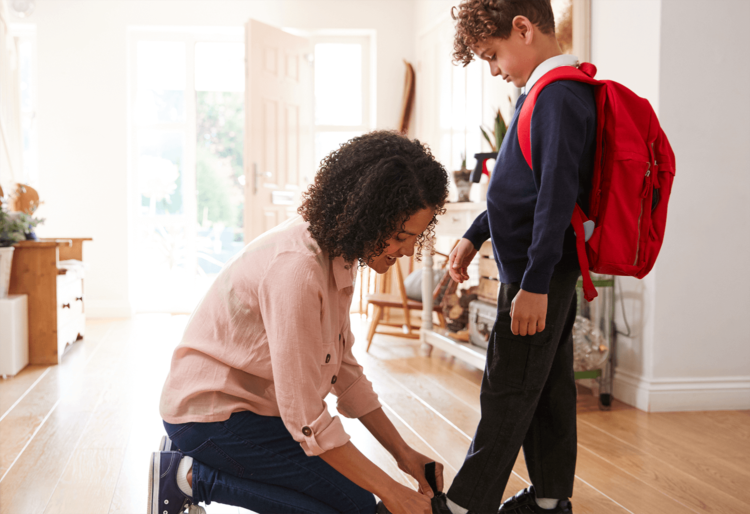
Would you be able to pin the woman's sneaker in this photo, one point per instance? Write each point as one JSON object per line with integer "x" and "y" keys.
{"x": 166, "y": 444}
{"x": 164, "y": 496}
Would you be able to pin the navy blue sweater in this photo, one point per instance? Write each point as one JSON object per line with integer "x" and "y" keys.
{"x": 528, "y": 211}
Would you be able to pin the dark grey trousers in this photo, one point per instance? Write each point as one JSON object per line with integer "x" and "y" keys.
{"x": 528, "y": 398}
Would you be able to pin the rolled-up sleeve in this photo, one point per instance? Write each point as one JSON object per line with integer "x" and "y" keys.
{"x": 356, "y": 396}
{"x": 291, "y": 300}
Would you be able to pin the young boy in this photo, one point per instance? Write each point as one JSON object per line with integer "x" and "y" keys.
{"x": 528, "y": 395}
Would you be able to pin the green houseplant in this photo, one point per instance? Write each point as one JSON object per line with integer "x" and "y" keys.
{"x": 17, "y": 226}
{"x": 495, "y": 140}
{"x": 14, "y": 227}
{"x": 11, "y": 232}
{"x": 498, "y": 132}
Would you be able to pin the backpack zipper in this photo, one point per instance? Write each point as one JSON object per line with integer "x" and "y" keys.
{"x": 640, "y": 216}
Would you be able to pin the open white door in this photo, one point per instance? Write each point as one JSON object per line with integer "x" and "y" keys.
{"x": 278, "y": 127}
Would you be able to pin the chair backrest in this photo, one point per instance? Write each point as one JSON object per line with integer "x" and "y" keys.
{"x": 401, "y": 286}
{"x": 440, "y": 286}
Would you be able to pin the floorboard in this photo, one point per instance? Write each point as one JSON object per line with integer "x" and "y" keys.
{"x": 76, "y": 438}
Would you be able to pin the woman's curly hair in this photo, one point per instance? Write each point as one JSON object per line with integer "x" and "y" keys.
{"x": 366, "y": 190}
{"x": 477, "y": 20}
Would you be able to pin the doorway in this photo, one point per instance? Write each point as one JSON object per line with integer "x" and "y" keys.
{"x": 187, "y": 132}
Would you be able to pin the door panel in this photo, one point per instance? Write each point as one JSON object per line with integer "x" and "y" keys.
{"x": 270, "y": 145}
{"x": 292, "y": 144}
{"x": 292, "y": 66}
{"x": 278, "y": 136}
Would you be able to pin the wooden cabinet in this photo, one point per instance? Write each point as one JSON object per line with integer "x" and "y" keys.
{"x": 56, "y": 295}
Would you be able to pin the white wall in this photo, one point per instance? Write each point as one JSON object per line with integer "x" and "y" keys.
{"x": 83, "y": 112}
{"x": 689, "y": 350}
{"x": 625, "y": 46}
{"x": 703, "y": 280}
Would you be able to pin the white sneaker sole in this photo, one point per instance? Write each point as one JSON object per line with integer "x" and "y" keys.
{"x": 154, "y": 473}
{"x": 166, "y": 444}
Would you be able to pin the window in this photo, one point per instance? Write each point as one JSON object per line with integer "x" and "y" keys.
{"x": 25, "y": 38}
{"x": 187, "y": 131}
{"x": 344, "y": 106}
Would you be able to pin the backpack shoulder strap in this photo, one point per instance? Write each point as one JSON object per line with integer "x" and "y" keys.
{"x": 585, "y": 73}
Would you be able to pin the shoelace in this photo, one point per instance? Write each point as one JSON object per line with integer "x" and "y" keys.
{"x": 196, "y": 509}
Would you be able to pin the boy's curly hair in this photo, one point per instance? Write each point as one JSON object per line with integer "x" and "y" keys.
{"x": 366, "y": 190}
{"x": 477, "y": 20}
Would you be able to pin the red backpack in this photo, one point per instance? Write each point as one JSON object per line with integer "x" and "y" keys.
{"x": 633, "y": 172}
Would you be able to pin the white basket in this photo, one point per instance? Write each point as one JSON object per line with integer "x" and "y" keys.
{"x": 6, "y": 259}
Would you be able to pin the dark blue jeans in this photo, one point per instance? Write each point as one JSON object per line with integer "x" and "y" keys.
{"x": 251, "y": 461}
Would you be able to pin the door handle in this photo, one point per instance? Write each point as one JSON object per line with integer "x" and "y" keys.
{"x": 257, "y": 175}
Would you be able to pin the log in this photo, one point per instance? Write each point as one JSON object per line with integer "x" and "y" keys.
{"x": 462, "y": 335}
{"x": 451, "y": 300}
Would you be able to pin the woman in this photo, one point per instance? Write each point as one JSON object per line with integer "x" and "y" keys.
{"x": 244, "y": 399}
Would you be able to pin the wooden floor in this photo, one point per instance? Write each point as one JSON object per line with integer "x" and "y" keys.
{"x": 76, "y": 438}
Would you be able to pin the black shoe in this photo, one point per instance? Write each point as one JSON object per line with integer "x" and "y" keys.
{"x": 439, "y": 505}
{"x": 439, "y": 500}
{"x": 525, "y": 503}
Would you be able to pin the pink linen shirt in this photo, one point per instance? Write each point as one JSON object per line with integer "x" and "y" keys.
{"x": 273, "y": 336}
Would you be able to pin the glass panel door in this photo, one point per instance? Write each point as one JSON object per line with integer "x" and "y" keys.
{"x": 220, "y": 176}
{"x": 188, "y": 128}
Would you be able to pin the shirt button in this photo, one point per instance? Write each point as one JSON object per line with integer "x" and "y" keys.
{"x": 333, "y": 380}
{"x": 328, "y": 358}
{"x": 307, "y": 431}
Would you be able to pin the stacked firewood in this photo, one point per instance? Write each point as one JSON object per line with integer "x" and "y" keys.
{"x": 456, "y": 311}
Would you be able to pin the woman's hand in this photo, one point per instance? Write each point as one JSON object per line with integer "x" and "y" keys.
{"x": 413, "y": 463}
{"x": 396, "y": 497}
{"x": 459, "y": 260}
{"x": 402, "y": 500}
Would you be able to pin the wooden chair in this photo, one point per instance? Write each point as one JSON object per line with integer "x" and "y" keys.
{"x": 381, "y": 301}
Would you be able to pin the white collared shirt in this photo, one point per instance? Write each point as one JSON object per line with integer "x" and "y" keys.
{"x": 548, "y": 65}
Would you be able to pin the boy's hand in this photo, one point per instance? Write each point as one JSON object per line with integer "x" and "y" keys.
{"x": 459, "y": 260}
{"x": 528, "y": 312}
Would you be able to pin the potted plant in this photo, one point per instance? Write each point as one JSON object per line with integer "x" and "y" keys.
{"x": 461, "y": 179}
{"x": 14, "y": 227}
{"x": 495, "y": 140}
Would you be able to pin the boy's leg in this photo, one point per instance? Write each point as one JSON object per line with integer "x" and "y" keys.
{"x": 253, "y": 462}
{"x": 515, "y": 375}
{"x": 550, "y": 446}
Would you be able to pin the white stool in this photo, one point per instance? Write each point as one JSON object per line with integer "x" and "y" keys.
{"x": 14, "y": 334}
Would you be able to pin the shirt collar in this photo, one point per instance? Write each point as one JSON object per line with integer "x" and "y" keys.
{"x": 343, "y": 272}
{"x": 549, "y": 65}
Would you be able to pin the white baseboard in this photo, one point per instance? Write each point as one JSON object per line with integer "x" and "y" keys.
{"x": 682, "y": 394}
{"x": 108, "y": 309}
